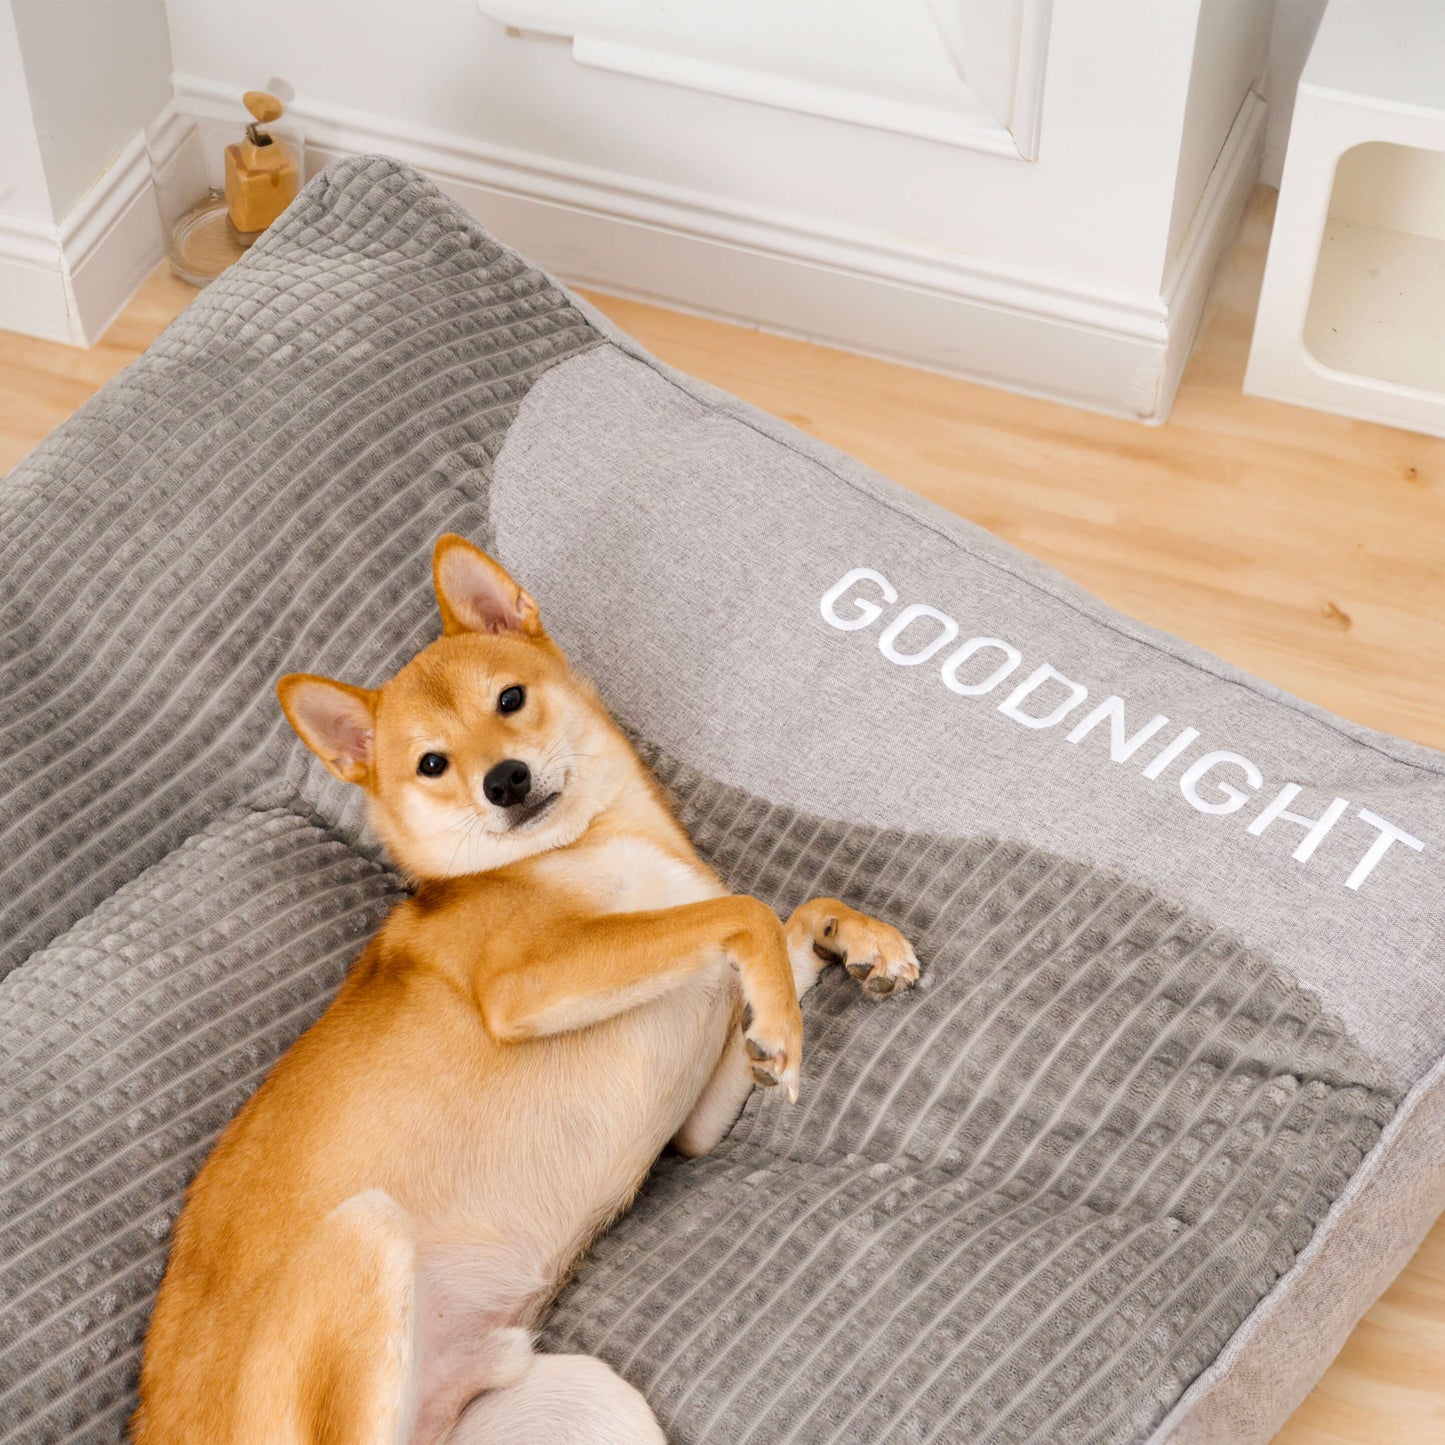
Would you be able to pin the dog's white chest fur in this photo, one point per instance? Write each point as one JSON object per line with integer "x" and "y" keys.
{"x": 630, "y": 875}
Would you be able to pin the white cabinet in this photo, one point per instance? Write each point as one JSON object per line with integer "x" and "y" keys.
{"x": 1026, "y": 193}
{"x": 1032, "y": 193}
{"x": 1353, "y": 304}
{"x": 965, "y": 72}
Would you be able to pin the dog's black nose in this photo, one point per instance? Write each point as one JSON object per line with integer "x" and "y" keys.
{"x": 508, "y": 783}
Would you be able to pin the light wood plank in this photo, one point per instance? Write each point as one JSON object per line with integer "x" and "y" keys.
{"x": 42, "y": 382}
{"x": 1307, "y": 548}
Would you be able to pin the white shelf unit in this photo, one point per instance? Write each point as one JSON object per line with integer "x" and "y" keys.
{"x": 1352, "y": 313}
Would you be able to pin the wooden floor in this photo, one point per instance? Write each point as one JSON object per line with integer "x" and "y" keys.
{"x": 1304, "y": 547}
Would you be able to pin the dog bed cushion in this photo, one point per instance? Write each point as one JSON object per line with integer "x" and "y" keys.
{"x": 1167, "y": 1111}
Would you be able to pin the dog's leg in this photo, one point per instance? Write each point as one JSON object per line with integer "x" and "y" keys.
{"x": 366, "y": 1337}
{"x": 332, "y": 1356}
{"x": 820, "y": 932}
{"x": 561, "y": 1400}
{"x": 825, "y": 931}
{"x": 469, "y": 1296}
{"x": 720, "y": 1102}
{"x": 583, "y": 972}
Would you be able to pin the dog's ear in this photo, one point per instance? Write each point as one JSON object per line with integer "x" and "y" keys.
{"x": 335, "y": 720}
{"x": 476, "y": 594}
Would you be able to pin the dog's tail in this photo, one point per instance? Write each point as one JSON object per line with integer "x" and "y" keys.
{"x": 519, "y": 1398}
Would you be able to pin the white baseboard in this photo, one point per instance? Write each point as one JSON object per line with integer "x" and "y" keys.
{"x": 865, "y": 291}
{"x": 111, "y": 242}
{"x": 1048, "y": 336}
{"x": 69, "y": 282}
{"x": 849, "y": 287}
{"x": 34, "y": 299}
{"x": 1214, "y": 224}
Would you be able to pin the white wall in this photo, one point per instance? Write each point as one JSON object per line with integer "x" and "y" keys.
{"x": 31, "y": 299}
{"x": 1231, "y": 43}
{"x": 1090, "y": 208}
{"x": 1043, "y": 213}
{"x": 1079, "y": 274}
{"x": 78, "y": 81}
{"x": 97, "y": 71}
{"x": 1295, "y": 23}
{"x": 23, "y": 194}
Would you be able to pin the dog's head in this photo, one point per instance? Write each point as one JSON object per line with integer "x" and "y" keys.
{"x": 485, "y": 748}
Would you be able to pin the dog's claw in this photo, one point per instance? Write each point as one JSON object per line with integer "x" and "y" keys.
{"x": 858, "y": 969}
{"x": 772, "y": 1065}
{"x": 879, "y": 984}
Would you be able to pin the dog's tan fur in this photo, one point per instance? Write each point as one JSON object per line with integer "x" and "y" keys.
{"x": 361, "y": 1257}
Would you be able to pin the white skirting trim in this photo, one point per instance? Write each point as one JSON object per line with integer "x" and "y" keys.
{"x": 844, "y": 286}
{"x": 68, "y": 282}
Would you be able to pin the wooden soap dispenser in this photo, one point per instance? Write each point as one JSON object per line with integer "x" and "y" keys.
{"x": 262, "y": 172}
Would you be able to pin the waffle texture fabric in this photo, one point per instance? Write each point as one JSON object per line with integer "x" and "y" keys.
{"x": 1165, "y": 1115}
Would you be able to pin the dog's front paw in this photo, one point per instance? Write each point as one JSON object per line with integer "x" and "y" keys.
{"x": 775, "y": 1054}
{"x": 874, "y": 952}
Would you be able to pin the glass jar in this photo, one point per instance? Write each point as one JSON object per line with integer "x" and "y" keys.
{"x": 188, "y": 171}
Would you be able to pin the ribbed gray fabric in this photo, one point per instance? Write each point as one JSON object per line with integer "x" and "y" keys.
{"x": 258, "y": 494}
{"x": 1030, "y": 1201}
{"x": 1063, "y": 1171}
{"x": 124, "y": 1050}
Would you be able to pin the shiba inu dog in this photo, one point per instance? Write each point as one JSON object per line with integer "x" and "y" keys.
{"x": 568, "y": 988}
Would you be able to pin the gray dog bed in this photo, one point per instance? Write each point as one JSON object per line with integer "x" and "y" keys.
{"x": 1165, "y": 1116}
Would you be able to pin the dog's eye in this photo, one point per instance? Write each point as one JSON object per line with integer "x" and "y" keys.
{"x": 511, "y": 699}
{"x": 432, "y": 765}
